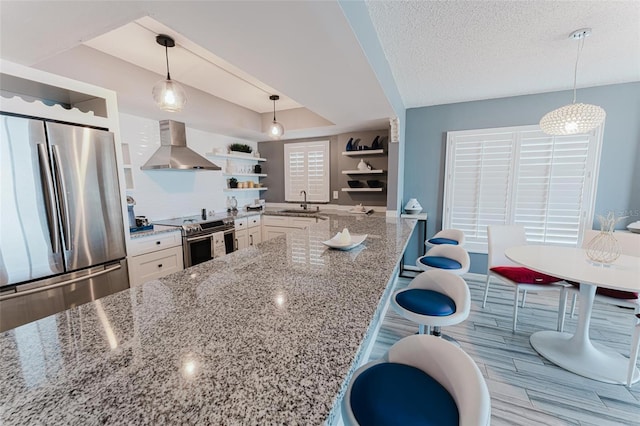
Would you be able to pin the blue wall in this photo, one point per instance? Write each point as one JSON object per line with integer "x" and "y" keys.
{"x": 619, "y": 179}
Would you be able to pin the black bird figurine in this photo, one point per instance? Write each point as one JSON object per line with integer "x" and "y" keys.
{"x": 375, "y": 144}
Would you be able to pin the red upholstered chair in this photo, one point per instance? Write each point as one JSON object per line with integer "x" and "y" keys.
{"x": 501, "y": 237}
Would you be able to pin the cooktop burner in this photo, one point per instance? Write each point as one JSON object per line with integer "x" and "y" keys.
{"x": 194, "y": 224}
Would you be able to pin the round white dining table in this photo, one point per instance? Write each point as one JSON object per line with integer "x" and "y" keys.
{"x": 577, "y": 353}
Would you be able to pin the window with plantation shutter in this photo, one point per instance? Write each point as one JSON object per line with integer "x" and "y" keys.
{"x": 520, "y": 175}
{"x": 307, "y": 169}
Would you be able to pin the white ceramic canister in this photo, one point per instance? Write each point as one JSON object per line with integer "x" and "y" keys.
{"x": 413, "y": 206}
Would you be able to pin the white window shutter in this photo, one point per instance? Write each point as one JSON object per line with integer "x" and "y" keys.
{"x": 520, "y": 175}
{"x": 550, "y": 189}
{"x": 481, "y": 169}
{"x": 307, "y": 168}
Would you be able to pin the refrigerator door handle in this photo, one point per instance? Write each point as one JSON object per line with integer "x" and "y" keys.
{"x": 66, "y": 226}
{"x": 49, "y": 197}
{"x": 60, "y": 284}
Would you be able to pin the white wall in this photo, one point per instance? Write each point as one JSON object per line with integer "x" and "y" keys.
{"x": 162, "y": 194}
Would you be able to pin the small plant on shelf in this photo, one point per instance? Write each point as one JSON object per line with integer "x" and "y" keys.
{"x": 233, "y": 182}
{"x": 240, "y": 147}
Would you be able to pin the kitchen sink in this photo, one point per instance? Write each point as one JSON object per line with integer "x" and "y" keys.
{"x": 300, "y": 211}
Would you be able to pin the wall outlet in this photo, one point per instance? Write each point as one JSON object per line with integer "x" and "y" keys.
{"x": 335, "y": 195}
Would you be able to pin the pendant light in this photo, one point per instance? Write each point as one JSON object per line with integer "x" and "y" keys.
{"x": 275, "y": 129}
{"x": 575, "y": 117}
{"x": 168, "y": 94}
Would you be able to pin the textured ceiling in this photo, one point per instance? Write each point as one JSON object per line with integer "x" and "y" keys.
{"x": 443, "y": 52}
{"x": 438, "y": 51}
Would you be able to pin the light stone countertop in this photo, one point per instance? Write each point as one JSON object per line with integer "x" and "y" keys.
{"x": 154, "y": 231}
{"x": 265, "y": 335}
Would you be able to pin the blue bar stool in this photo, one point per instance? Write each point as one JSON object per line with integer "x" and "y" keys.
{"x": 451, "y": 258}
{"x": 446, "y": 236}
{"x": 434, "y": 299}
{"x": 421, "y": 380}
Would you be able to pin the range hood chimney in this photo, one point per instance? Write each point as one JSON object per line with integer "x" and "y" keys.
{"x": 173, "y": 153}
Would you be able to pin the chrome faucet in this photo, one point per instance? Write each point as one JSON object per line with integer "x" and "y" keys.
{"x": 304, "y": 204}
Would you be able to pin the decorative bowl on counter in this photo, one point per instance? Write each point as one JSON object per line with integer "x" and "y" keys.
{"x": 354, "y": 241}
{"x": 634, "y": 227}
{"x": 354, "y": 184}
{"x": 412, "y": 211}
{"x": 375, "y": 183}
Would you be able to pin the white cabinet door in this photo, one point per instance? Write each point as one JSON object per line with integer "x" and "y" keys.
{"x": 255, "y": 236}
{"x": 301, "y": 222}
{"x": 150, "y": 266}
{"x": 242, "y": 239}
{"x": 253, "y": 221}
{"x": 269, "y": 232}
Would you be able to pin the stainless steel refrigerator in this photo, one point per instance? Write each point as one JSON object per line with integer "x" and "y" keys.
{"x": 61, "y": 227}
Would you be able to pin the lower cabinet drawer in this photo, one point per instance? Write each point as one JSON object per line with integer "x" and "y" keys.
{"x": 151, "y": 266}
{"x": 156, "y": 242}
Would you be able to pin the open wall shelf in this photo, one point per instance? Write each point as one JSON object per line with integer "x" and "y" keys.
{"x": 362, "y": 189}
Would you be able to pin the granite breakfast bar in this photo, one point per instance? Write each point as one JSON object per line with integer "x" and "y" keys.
{"x": 266, "y": 335}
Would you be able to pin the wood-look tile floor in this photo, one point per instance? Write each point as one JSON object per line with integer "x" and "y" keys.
{"x": 525, "y": 388}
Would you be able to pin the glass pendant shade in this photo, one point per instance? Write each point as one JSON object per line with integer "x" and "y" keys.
{"x": 169, "y": 95}
{"x": 276, "y": 130}
{"x": 572, "y": 119}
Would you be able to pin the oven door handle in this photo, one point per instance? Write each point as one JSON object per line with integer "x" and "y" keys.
{"x": 200, "y": 238}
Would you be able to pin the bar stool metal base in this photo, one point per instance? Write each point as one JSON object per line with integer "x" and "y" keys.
{"x": 426, "y": 329}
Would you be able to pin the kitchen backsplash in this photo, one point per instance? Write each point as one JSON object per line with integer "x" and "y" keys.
{"x": 161, "y": 194}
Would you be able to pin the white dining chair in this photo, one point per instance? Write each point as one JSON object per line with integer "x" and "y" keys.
{"x": 501, "y": 237}
{"x": 421, "y": 380}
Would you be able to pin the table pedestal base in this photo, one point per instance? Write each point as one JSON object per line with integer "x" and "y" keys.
{"x": 590, "y": 360}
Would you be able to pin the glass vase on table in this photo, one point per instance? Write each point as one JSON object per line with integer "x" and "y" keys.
{"x": 604, "y": 249}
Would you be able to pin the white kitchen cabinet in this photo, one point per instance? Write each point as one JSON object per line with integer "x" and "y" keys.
{"x": 253, "y": 221}
{"x": 154, "y": 256}
{"x": 242, "y": 239}
{"x": 151, "y": 266}
{"x": 255, "y": 235}
{"x": 274, "y": 226}
{"x": 301, "y": 222}
{"x": 240, "y": 224}
{"x": 269, "y": 232}
{"x": 248, "y": 231}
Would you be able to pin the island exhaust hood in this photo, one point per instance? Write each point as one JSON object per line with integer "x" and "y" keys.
{"x": 173, "y": 153}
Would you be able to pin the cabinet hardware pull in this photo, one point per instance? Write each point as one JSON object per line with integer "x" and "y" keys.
{"x": 160, "y": 265}
{"x": 158, "y": 242}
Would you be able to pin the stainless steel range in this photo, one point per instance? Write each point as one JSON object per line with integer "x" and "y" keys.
{"x": 204, "y": 239}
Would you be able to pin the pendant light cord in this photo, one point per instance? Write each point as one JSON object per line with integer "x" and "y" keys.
{"x": 166, "y": 55}
{"x": 274, "y": 110}
{"x": 575, "y": 70}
